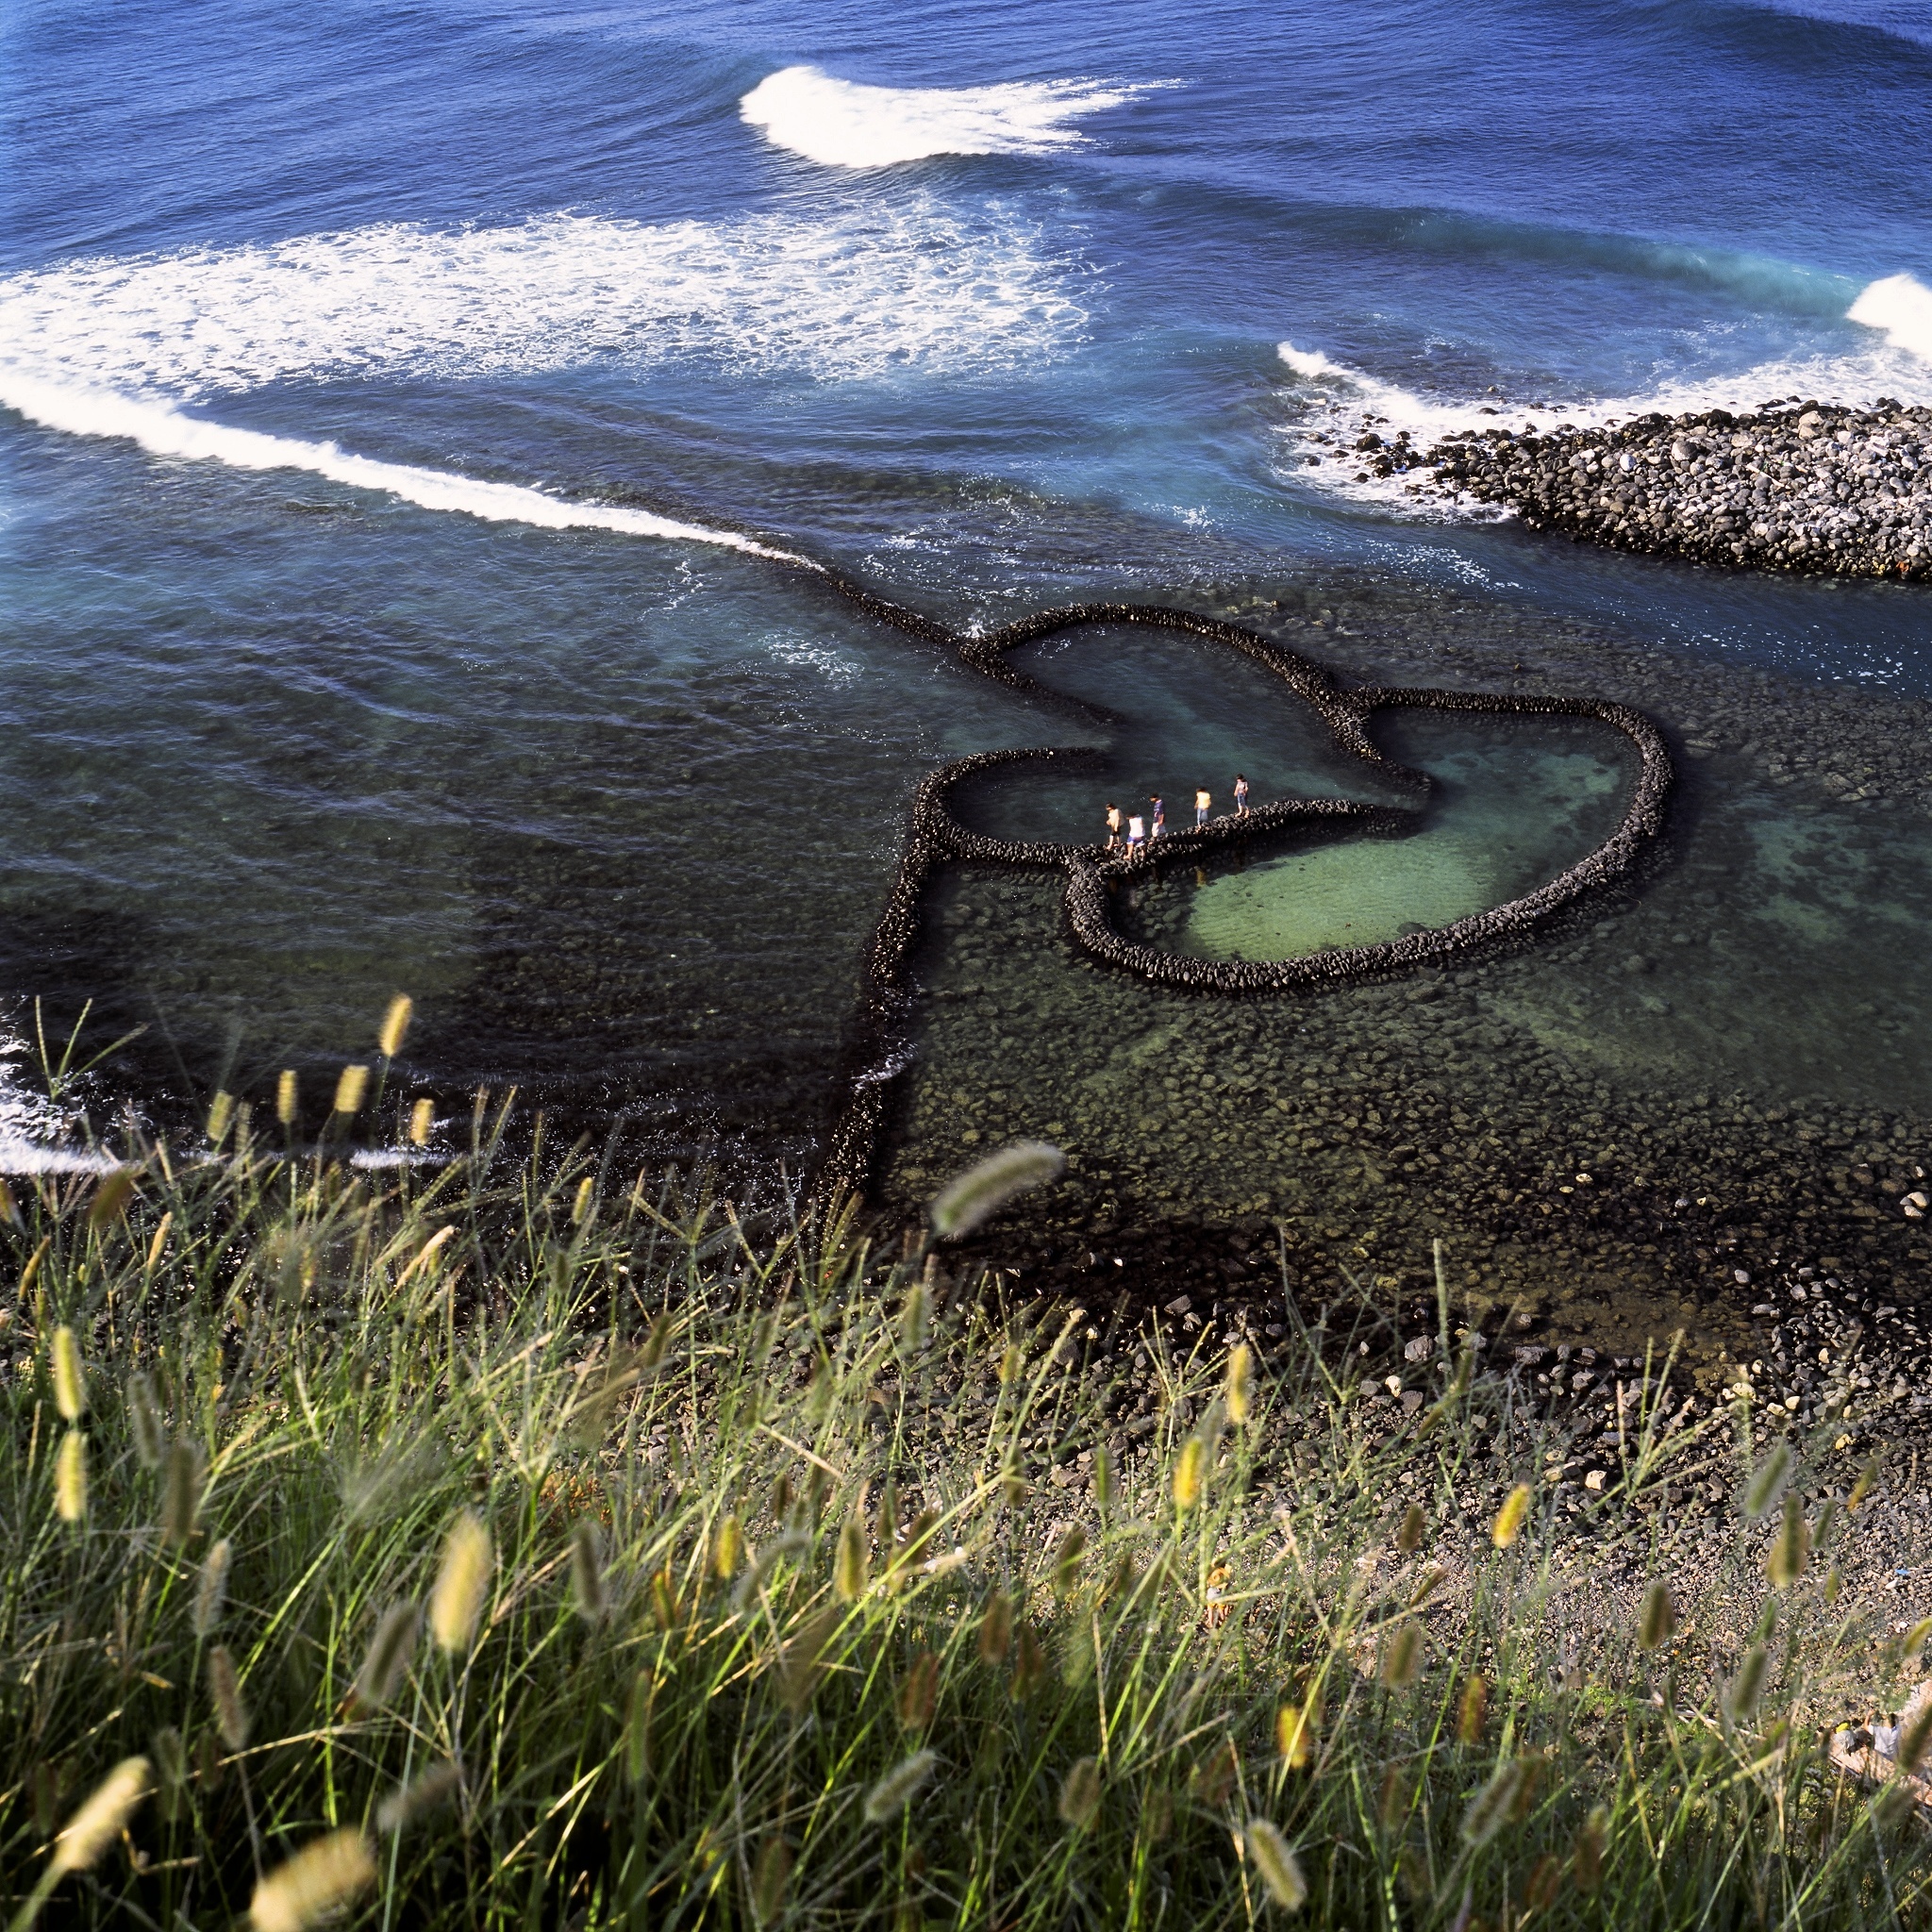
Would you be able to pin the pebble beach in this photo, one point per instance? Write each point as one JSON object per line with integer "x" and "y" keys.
{"x": 1803, "y": 486}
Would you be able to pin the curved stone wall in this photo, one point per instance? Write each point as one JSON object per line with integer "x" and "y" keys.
{"x": 882, "y": 1031}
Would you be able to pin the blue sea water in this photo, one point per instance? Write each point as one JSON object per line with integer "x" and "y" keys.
{"x": 395, "y": 401}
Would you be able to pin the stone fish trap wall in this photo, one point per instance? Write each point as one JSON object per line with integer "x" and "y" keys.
{"x": 879, "y": 1050}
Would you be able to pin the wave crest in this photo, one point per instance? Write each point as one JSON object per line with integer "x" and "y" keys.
{"x": 846, "y": 123}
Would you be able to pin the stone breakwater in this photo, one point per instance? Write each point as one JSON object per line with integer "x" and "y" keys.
{"x": 1806, "y": 487}
{"x": 879, "y": 1049}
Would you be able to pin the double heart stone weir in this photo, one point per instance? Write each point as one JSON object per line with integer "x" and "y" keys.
{"x": 878, "y": 1044}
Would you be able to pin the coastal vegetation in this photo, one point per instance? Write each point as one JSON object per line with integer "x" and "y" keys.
{"x": 504, "y": 1539}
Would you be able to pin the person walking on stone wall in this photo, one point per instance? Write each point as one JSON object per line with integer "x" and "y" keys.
{"x": 1160, "y": 817}
{"x": 1137, "y": 835}
{"x": 1240, "y": 796}
{"x": 1202, "y": 801}
{"x": 1113, "y": 827}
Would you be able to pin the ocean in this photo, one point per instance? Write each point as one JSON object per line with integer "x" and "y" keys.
{"x": 399, "y": 409}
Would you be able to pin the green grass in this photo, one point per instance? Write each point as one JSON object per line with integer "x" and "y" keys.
{"x": 776, "y": 1616}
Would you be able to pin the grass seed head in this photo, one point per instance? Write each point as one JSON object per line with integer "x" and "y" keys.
{"x": 1915, "y": 1731}
{"x": 1472, "y": 1713}
{"x": 395, "y": 1025}
{"x": 1067, "y": 1560}
{"x": 419, "y": 1797}
{"x": 1761, "y": 1491}
{"x": 1657, "y": 1620}
{"x": 1029, "y": 1664}
{"x": 1509, "y": 1518}
{"x": 851, "y": 1568}
{"x": 1493, "y": 1807}
{"x": 770, "y": 1876}
{"x": 1402, "y": 1654}
{"x": 899, "y": 1786}
{"x": 225, "y": 1689}
{"x": 111, "y": 1197}
{"x": 637, "y": 1725}
{"x": 287, "y": 1092}
{"x": 461, "y": 1581}
{"x": 70, "y": 1478}
{"x": 351, "y": 1085}
{"x": 159, "y": 1245}
{"x": 1862, "y": 1487}
{"x": 318, "y": 1883}
{"x": 221, "y": 1111}
{"x": 996, "y": 1629}
{"x": 985, "y": 1188}
{"x": 1102, "y": 1478}
{"x": 802, "y": 1661}
{"x": 1238, "y": 1389}
{"x": 1414, "y": 1523}
{"x": 915, "y": 1320}
{"x": 1272, "y": 1855}
{"x": 1189, "y": 1468}
{"x": 1297, "y": 1730}
{"x": 728, "y": 1548}
{"x": 1790, "y": 1549}
{"x": 1587, "y": 1856}
{"x": 422, "y": 1122}
{"x": 587, "y": 1572}
{"x": 101, "y": 1819}
{"x": 918, "y": 1690}
{"x": 388, "y": 1655}
{"x": 70, "y": 1385}
{"x": 1079, "y": 1799}
{"x": 171, "y": 1772}
{"x": 586, "y": 1199}
{"x": 1748, "y": 1687}
{"x": 181, "y": 1493}
{"x": 211, "y": 1589}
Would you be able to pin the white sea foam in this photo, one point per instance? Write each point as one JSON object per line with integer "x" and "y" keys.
{"x": 851, "y": 295}
{"x": 111, "y": 347}
{"x": 36, "y": 1136}
{"x": 1900, "y": 306}
{"x": 845, "y": 124}
{"x": 164, "y": 431}
{"x": 1338, "y": 402}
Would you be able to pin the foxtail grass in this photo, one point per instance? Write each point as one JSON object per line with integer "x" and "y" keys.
{"x": 498, "y": 1542}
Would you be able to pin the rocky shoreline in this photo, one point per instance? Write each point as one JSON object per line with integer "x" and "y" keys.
{"x": 1802, "y": 487}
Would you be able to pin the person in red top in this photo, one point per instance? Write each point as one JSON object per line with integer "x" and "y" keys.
{"x": 1240, "y": 795}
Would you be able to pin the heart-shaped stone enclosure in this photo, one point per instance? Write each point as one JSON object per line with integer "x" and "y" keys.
{"x": 937, "y": 836}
